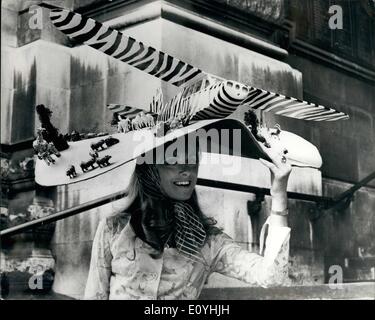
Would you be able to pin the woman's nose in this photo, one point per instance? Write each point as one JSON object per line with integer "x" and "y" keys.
{"x": 185, "y": 170}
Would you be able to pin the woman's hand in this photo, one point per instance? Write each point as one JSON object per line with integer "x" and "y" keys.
{"x": 280, "y": 170}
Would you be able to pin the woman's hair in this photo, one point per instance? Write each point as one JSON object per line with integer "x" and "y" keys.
{"x": 145, "y": 203}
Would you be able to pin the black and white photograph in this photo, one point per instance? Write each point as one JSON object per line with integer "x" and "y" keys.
{"x": 202, "y": 150}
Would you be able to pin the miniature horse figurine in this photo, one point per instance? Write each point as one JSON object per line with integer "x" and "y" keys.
{"x": 110, "y": 141}
{"x": 94, "y": 154}
{"x": 103, "y": 162}
{"x": 71, "y": 172}
{"x": 90, "y": 163}
{"x": 95, "y": 146}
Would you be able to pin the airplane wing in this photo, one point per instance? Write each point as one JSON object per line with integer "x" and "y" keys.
{"x": 222, "y": 99}
{"x": 218, "y": 100}
{"x": 124, "y": 48}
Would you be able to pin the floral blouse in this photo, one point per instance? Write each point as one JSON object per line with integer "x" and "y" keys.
{"x": 125, "y": 267}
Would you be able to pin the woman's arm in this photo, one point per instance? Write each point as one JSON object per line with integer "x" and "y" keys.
{"x": 265, "y": 269}
{"x": 97, "y": 285}
{"x": 280, "y": 170}
{"x": 270, "y": 268}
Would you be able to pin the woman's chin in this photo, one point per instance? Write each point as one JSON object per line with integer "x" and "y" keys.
{"x": 181, "y": 195}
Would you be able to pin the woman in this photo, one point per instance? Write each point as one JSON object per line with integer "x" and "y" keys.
{"x": 165, "y": 248}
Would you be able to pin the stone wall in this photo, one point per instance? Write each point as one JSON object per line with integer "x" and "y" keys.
{"x": 348, "y": 150}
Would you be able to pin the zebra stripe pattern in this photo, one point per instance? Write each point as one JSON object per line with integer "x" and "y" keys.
{"x": 259, "y": 99}
{"x": 223, "y": 98}
{"x": 218, "y": 101}
{"x": 126, "y": 49}
{"x": 123, "y": 110}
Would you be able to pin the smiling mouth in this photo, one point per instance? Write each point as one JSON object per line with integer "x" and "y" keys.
{"x": 182, "y": 183}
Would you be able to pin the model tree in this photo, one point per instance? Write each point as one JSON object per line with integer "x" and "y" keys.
{"x": 50, "y": 134}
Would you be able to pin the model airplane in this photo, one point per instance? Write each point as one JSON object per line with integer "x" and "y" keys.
{"x": 203, "y": 96}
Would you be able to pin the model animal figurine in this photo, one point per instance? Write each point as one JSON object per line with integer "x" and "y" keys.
{"x": 27, "y": 164}
{"x": 85, "y": 165}
{"x": 137, "y": 122}
{"x": 94, "y": 154}
{"x": 104, "y": 161}
{"x": 110, "y": 141}
{"x": 98, "y": 145}
{"x": 123, "y": 125}
{"x": 149, "y": 120}
{"x": 277, "y": 131}
{"x": 74, "y": 136}
{"x": 90, "y": 135}
{"x": 71, "y": 172}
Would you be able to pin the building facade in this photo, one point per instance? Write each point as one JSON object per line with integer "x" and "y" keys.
{"x": 284, "y": 46}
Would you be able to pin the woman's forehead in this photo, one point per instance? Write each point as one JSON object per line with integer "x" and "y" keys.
{"x": 181, "y": 150}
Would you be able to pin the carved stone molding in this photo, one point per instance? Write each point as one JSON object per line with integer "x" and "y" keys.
{"x": 37, "y": 263}
{"x": 270, "y": 10}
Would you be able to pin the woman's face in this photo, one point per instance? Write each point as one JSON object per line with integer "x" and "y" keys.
{"x": 178, "y": 180}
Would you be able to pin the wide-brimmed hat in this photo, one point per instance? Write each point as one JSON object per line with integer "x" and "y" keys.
{"x": 89, "y": 158}
{"x": 188, "y": 113}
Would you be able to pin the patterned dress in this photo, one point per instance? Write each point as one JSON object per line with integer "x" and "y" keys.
{"x": 124, "y": 267}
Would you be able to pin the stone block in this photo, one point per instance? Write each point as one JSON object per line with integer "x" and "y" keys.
{"x": 73, "y": 237}
{"x": 351, "y": 141}
{"x": 23, "y": 111}
{"x": 53, "y": 66}
{"x": 72, "y": 266}
{"x": 87, "y": 107}
{"x": 269, "y": 10}
{"x": 347, "y": 235}
{"x": 229, "y": 209}
{"x": 58, "y": 101}
{"x": 35, "y": 24}
{"x": 363, "y": 219}
{"x": 6, "y": 114}
{"x": 8, "y": 27}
